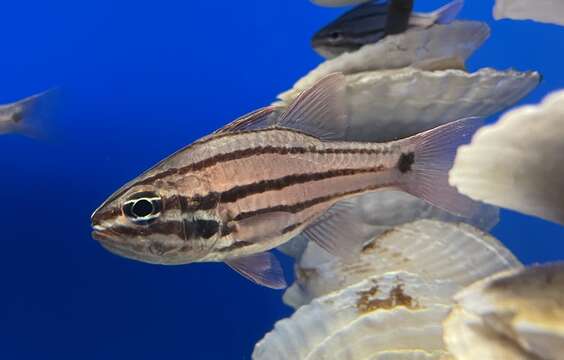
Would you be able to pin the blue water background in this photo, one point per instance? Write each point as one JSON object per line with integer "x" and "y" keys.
{"x": 138, "y": 81}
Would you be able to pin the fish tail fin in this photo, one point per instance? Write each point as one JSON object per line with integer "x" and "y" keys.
{"x": 30, "y": 115}
{"x": 426, "y": 167}
{"x": 446, "y": 14}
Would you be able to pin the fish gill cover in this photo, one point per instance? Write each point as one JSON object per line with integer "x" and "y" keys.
{"x": 136, "y": 82}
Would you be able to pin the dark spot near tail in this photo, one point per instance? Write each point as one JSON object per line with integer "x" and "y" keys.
{"x": 17, "y": 117}
{"x": 405, "y": 162}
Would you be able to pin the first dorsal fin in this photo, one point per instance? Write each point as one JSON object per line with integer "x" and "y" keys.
{"x": 258, "y": 119}
{"x": 320, "y": 110}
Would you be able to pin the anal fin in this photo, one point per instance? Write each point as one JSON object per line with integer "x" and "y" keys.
{"x": 262, "y": 269}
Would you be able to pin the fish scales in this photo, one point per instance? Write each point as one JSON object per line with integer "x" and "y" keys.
{"x": 249, "y": 176}
{"x": 253, "y": 185}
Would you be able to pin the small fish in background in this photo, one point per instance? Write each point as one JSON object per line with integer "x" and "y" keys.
{"x": 370, "y": 22}
{"x": 261, "y": 180}
{"x": 25, "y": 116}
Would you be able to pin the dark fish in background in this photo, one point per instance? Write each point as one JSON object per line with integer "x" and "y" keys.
{"x": 370, "y": 22}
{"x": 399, "y": 13}
{"x": 25, "y": 116}
{"x": 254, "y": 185}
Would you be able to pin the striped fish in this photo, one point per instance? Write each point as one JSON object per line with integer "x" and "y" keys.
{"x": 267, "y": 177}
{"x": 372, "y": 21}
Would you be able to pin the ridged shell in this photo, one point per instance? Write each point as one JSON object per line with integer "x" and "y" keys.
{"x": 411, "y": 355}
{"x": 456, "y": 40}
{"x": 400, "y": 329}
{"x": 511, "y": 315}
{"x": 391, "y": 104}
{"x": 549, "y": 11}
{"x": 517, "y": 162}
{"x": 395, "y": 311}
{"x": 380, "y": 211}
{"x": 435, "y": 250}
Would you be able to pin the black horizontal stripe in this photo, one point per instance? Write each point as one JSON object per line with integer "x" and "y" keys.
{"x": 301, "y": 206}
{"x": 261, "y": 150}
{"x": 171, "y": 227}
{"x": 291, "y": 228}
{"x": 240, "y": 192}
{"x": 365, "y": 11}
{"x": 240, "y": 154}
{"x": 378, "y": 16}
{"x": 373, "y": 31}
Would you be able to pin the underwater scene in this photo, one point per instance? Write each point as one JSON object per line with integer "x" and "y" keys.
{"x": 324, "y": 179}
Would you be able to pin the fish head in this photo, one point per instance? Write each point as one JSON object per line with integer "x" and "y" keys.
{"x": 159, "y": 222}
{"x": 330, "y": 42}
{"x": 11, "y": 117}
{"x": 362, "y": 25}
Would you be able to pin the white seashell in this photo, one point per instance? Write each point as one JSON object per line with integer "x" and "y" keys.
{"x": 370, "y": 312}
{"x": 517, "y": 162}
{"x": 434, "y": 250}
{"x": 412, "y": 355}
{"x": 335, "y": 3}
{"x": 457, "y": 40}
{"x": 408, "y": 101}
{"x": 549, "y": 11}
{"x": 374, "y": 334}
{"x": 468, "y": 339}
{"x": 390, "y": 104}
{"x": 511, "y": 315}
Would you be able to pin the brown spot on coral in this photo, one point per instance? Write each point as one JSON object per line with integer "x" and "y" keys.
{"x": 373, "y": 245}
{"x": 397, "y": 297}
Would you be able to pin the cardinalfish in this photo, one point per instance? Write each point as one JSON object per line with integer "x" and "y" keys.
{"x": 372, "y": 21}
{"x": 23, "y": 116}
{"x": 269, "y": 176}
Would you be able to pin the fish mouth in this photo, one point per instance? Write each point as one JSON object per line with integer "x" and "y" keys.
{"x": 103, "y": 234}
{"x": 328, "y": 52}
{"x": 100, "y": 235}
{"x": 109, "y": 241}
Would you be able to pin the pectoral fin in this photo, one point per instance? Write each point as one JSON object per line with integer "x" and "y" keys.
{"x": 263, "y": 269}
{"x": 263, "y": 227}
{"x": 339, "y": 230}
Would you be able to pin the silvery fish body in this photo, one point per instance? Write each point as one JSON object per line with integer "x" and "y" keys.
{"x": 265, "y": 178}
{"x": 372, "y": 21}
{"x": 22, "y": 116}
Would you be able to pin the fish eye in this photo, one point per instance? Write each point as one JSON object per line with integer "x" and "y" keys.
{"x": 17, "y": 117}
{"x": 142, "y": 207}
{"x": 335, "y": 35}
